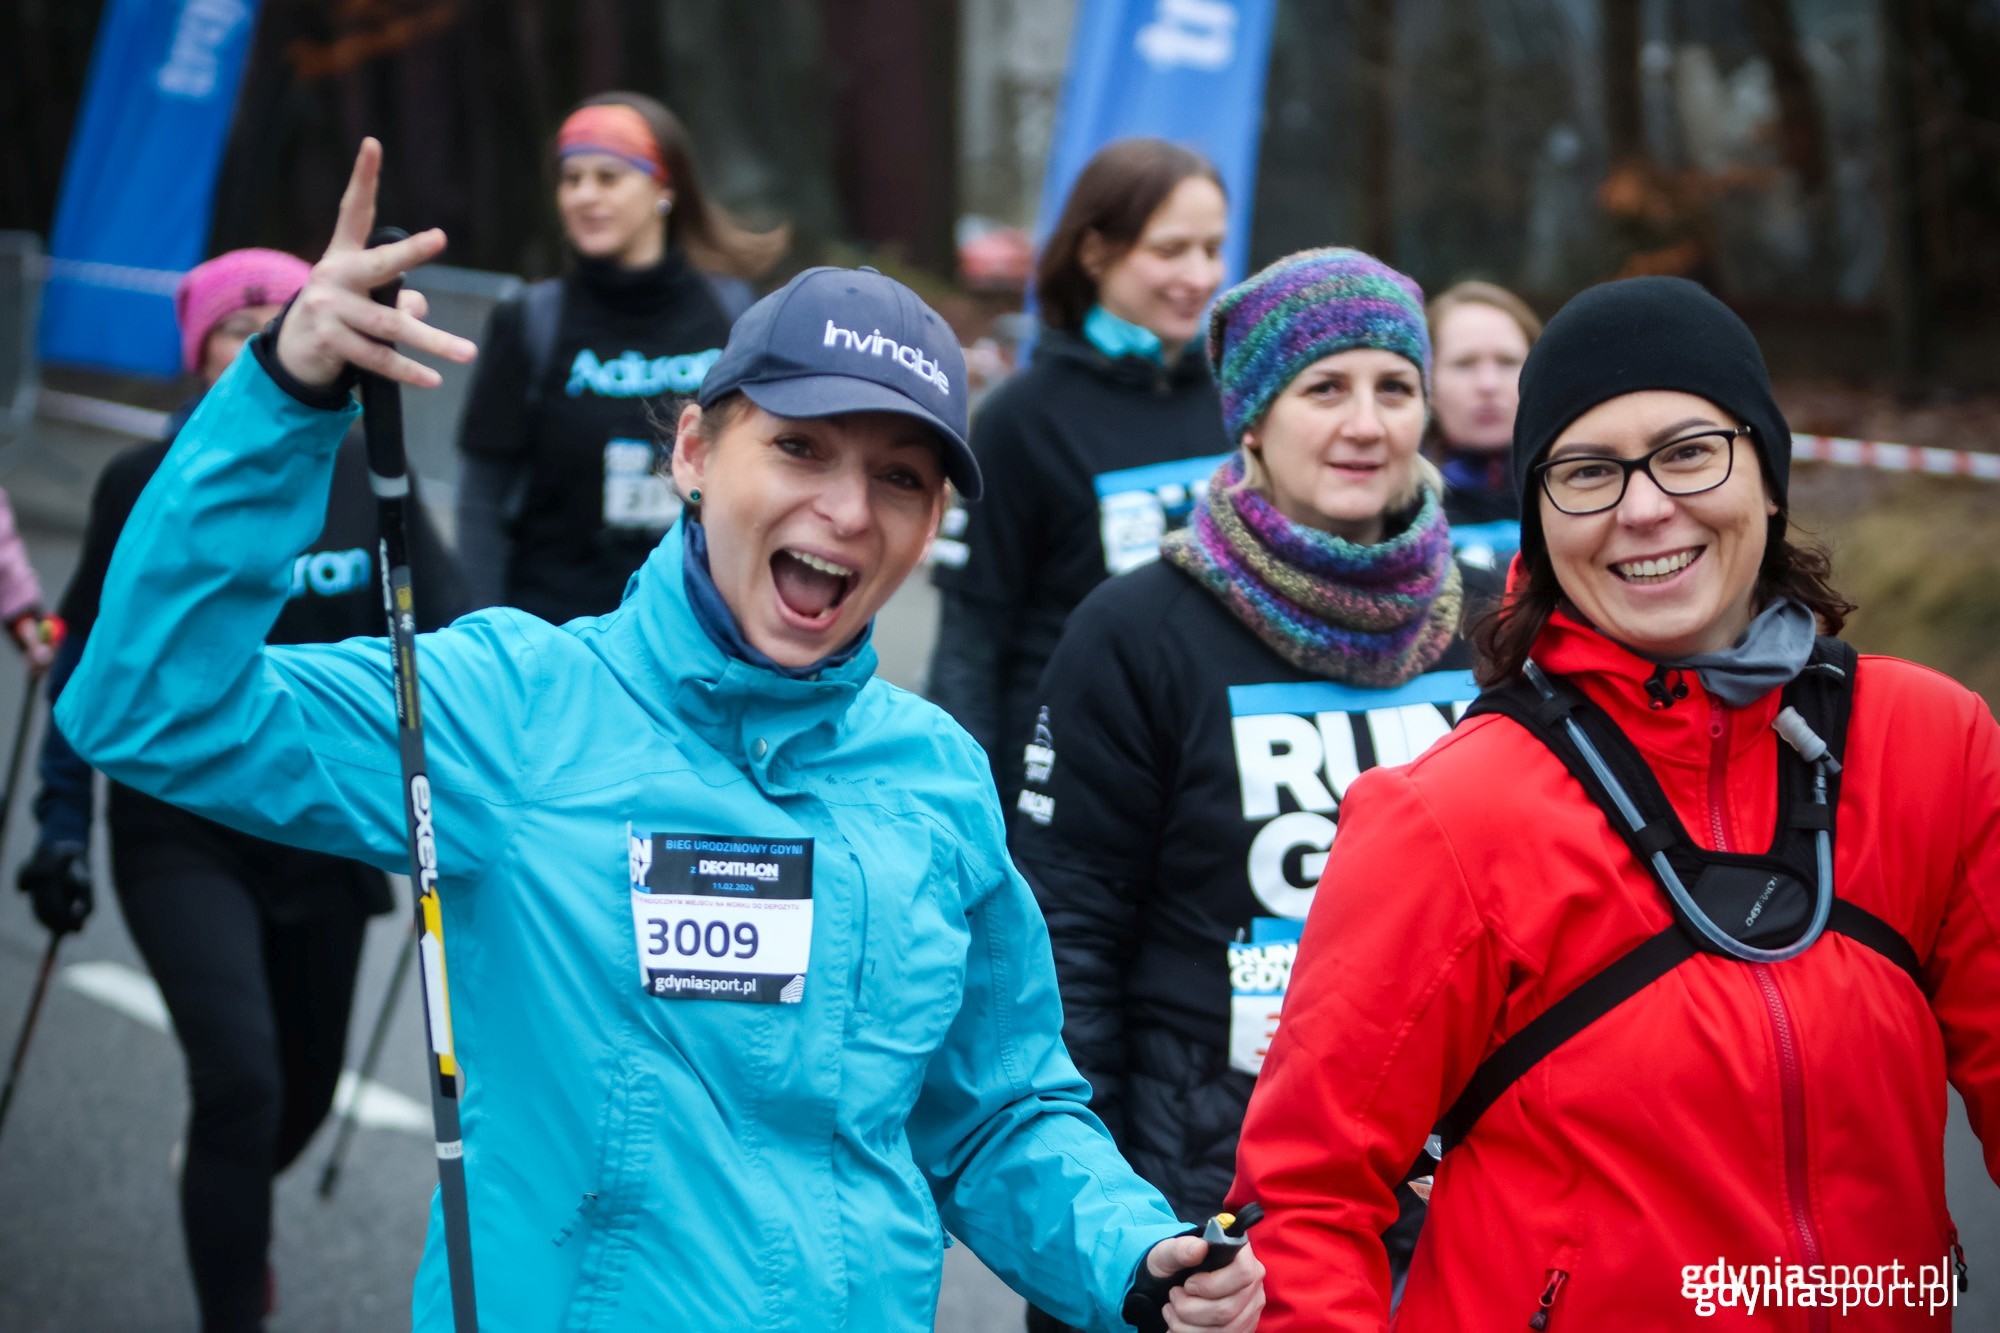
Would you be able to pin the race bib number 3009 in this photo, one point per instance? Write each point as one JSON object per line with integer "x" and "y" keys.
{"x": 722, "y": 917}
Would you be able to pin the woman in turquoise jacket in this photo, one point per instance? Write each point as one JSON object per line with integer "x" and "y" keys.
{"x": 655, "y": 1136}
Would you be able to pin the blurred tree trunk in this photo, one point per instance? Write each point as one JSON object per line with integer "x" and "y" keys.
{"x": 1624, "y": 107}
{"x": 895, "y": 144}
{"x": 1375, "y": 52}
{"x": 748, "y": 78}
{"x": 1449, "y": 136}
{"x": 48, "y": 44}
{"x": 1908, "y": 280}
{"x": 445, "y": 84}
{"x": 1802, "y": 136}
{"x": 1957, "y": 111}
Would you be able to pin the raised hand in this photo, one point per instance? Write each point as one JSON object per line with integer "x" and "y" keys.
{"x": 334, "y": 323}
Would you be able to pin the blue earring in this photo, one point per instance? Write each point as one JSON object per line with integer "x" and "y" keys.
{"x": 694, "y": 496}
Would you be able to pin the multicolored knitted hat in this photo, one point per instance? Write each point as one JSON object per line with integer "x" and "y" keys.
{"x": 1269, "y": 327}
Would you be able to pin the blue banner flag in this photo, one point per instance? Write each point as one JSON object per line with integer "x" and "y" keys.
{"x": 139, "y": 184}
{"x": 1190, "y": 71}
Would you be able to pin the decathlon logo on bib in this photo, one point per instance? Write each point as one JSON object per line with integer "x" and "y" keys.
{"x": 767, "y": 870}
{"x": 909, "y": 358}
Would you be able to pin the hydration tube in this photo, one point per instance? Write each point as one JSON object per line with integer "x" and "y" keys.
{"x": 1823, "y": 904}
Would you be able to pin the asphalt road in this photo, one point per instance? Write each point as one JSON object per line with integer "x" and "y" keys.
{"x": 89, "y": 1232}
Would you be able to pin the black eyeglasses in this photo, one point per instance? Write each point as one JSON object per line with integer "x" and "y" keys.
{"x": 1593, "y": 483}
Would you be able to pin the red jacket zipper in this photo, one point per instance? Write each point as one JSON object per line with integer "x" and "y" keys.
{"x": 1539, "y": 1320}
{"x": 1791, "y": 1077}
{"x": 1791, "y": 1082}
{"x": 1718, "y": 772}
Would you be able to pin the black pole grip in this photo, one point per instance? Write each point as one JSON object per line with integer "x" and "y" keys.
{"x": 381, "y": 399}
{"x": 1225, "y": 1234}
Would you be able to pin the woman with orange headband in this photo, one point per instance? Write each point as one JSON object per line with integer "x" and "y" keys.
{"x": 560, "y": 497}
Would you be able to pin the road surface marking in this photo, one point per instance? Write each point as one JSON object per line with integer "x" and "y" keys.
{"x": 133, "y": 994}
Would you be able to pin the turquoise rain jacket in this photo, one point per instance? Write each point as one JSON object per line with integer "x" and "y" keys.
{"x": 639, "y": 1163}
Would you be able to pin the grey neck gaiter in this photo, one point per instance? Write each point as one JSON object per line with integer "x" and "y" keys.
{"x": 1766, "y": 657}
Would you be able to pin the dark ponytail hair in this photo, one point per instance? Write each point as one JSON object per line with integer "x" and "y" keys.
{"x": 711, "y": 236}
{"x": 1503, "y": 638}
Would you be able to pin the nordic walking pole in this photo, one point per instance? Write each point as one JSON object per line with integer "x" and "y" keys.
{"x": 28, "y": 1025}
{"x": 389, "y": 477}
{"x": 330, "y": 1174}
{"x": 28, "y": 699}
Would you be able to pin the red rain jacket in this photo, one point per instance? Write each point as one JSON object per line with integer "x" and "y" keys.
{"x": 1788, "y": 1113}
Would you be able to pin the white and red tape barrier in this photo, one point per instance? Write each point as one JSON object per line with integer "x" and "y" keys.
{"x": 1896, "y": 457}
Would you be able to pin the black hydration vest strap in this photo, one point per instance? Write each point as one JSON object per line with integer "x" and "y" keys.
{"x": 1824, "y": 701}
{"x": 1865, "y": 928}
{"x": 1638, "y": 968}
{"x": 1633, "y": 971}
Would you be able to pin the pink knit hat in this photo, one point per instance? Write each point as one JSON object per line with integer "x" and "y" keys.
{"x": 210, "y": 293}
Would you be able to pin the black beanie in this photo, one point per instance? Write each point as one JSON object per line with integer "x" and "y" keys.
{"x": 1635, "y": 334}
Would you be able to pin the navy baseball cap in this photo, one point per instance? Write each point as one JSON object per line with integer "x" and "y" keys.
{"x": 836, "y": 340}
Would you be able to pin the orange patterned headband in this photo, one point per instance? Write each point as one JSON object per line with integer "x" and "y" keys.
{"x": 617, "y": 130}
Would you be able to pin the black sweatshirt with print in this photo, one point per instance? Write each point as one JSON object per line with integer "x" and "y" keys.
{"x": 576, "y": 453}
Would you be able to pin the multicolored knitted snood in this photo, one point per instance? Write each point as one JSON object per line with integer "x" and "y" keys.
{"x": 1376, "y": 615}
{"x": 1269, "y": 327}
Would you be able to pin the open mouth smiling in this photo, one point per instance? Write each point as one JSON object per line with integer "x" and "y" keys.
{"x": 811, "y": 587}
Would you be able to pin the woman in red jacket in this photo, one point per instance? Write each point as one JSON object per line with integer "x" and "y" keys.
{"x": 1678, "y": 945}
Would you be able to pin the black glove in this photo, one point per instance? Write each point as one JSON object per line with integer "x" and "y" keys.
{"x": 57, "y": 881}
{"x": 1146, "y": 1301}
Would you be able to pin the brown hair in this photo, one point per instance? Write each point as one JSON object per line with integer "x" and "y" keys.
{"x": 716, "y": 418}
{"x": 1503, "y": 638}
{"x": 712, "y": 237}
{"x": 1482, "y": 293}
{"x": 1119, "y": 190}
{"x": 715, "y": 421}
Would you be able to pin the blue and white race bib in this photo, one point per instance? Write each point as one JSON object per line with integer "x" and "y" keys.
{"x": 722, "y": 917}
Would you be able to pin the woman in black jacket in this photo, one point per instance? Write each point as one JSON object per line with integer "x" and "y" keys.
{"x": 560, "y": 494}
{"x": 254, "y": 945}
{"x": 1094, "y": 451}
{"x": 1202, "y": 716}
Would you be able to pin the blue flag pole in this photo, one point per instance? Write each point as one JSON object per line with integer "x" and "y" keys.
{"x": 139, "y": 182}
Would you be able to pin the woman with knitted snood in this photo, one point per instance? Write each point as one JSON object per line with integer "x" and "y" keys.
{"x": 561, "y": 496}
{"x": 1203, "y": 716}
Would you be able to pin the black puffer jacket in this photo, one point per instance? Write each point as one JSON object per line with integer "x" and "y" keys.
{"x": 1089, "y": 460}
{"x": 1180, "y": 796}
